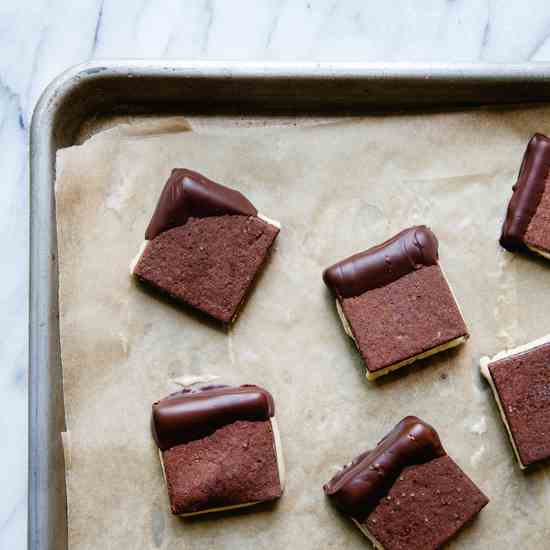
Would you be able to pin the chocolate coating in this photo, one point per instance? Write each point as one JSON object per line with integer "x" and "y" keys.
{"x": 380, "y": 265}
{"x": 527, "y": 193}
{"x": 357, "y": 489}
{"x": 189, "y": 415}
{"x": 188, "y": 194}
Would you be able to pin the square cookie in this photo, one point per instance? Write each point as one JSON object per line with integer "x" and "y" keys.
{"x": 520, "y": 380}
{"x": 395, "y": 302}
{"x": 406, "y": 492}
{"x": 205, "y": 245}
{"x": 219, "y": 448}
{"x": 527, "y": 222}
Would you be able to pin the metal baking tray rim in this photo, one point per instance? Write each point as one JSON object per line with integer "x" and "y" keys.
{"x": 81, "y": 90}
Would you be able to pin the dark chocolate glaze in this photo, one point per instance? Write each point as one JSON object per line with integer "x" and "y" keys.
{"x": 188, "y": 194}
{"x": 189, "y": 415}
{"x": 359, "y": 487}
{"x": 380, "y": 265}
{"x": 527, "y": 193}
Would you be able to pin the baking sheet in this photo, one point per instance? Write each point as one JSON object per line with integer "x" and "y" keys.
{"x": 336, "y": 188}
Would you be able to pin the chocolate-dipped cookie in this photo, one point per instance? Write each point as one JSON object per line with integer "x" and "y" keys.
{"x": 406, "y": 492}
{"x": 219, "y": 447}
{"x": 205, "y": 245}
{"x": 520, "y": 380}
{"x": 395, "y": 302}
{"x": 527, "y": 223}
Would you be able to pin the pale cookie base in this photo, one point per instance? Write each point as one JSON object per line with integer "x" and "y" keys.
{"x": 345, "y": 322}
{"x": 220, "y": 509}
{"x": 453, "y": 294}
{"x": 136, "y": 259}
{"x": 539, "y": 251}
{"x": 280, "y": 466}
{"x": 373, "y": 375}
{"x": 484, "y": 363}
{"x": 278, "y": 452}
{"x": 269, "y": 220}
{"x": 443, "y": 347}
{"x": 368, "y": 534}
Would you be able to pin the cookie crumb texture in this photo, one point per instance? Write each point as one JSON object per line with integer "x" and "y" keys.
{"x": 538, "y": 230}
{"x": 208, "y": 263}
{"x": 404, "y": 318}
{"x": 523, "y": 385}
{"x": 426, "y": 506}
{"x": 237, "y": 464}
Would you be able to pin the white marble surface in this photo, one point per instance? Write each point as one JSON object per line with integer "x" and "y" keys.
{"x": 41, "y": 38}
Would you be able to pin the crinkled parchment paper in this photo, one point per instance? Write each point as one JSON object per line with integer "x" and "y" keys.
{"x": 337, "y": 188}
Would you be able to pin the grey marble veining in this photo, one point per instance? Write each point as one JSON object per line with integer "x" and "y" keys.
{"x": 41, "y": 38}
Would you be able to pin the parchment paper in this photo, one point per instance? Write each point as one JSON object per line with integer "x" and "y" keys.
{"x": 337, "y": 188}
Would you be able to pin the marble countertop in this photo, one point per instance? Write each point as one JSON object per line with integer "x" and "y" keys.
{"x": 41, "y": 38}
